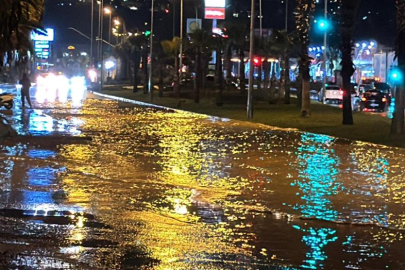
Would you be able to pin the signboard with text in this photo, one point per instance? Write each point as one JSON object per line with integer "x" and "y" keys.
{"x": 48, "y": 37}
{"x": 215, "y": 13}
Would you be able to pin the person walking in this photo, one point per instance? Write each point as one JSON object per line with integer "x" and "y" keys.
{"x": 25, "y": 90}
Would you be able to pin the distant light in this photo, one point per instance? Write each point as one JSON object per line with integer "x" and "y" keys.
{"x": 109, "y": 64}
{"x": 372, "y": 43}
{"x": 107, "y": 11}
{"x": 364, "y": 45}
{"x": 133, "y": 8}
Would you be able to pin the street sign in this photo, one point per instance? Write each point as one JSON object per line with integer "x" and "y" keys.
{"x": 214, "y": 13}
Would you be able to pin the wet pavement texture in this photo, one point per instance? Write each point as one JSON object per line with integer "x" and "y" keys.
{"x": 93, "y": 183}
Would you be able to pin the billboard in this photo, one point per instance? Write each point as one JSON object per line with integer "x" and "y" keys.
{"x": 215, "y": 13}
{"x": 48, "y": 37}
{"x": 215, "y": 3}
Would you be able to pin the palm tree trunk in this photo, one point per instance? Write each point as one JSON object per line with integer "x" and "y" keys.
{"x": 137, "y": 60}
{"x": 176, "y": 87}
{"x": 348, "y": 14}
{"x": 242, "y": 78}
{"x": 281, "y": 96}
{"x": 198, "y": 74}
{"x": 304, "y": 69}
{"x": 397, "y": 125}
{"x": 287, "y": 80}
{"x": 347, "y": 73}
{"x": 145, "y": 71}
{"x": 219, "y": 79}
{"x": 266, "y": 70}
{"x": 228, "y": 63}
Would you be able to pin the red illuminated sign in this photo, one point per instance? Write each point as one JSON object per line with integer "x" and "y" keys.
{"x": 215, "y": 13}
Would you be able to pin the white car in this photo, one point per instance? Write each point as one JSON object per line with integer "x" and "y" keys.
{"x": 331, "y": 93}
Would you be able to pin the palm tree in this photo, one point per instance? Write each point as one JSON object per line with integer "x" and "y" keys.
{"x": 218, "y": 44}
{"x": 348, "y": 13}
{"x": 302, "y": 19}
{"x": 237, "y": 39}
{"x": 397, "y": 125}
{"x": 171, "y": 49}
{"x": 200, "y": 40}
{"x": 17, "y": 19}
{"x": 283, "y": 45}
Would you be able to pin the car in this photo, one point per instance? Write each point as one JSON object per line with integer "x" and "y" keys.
{"x": 332, "y": 93}
{"x": 374, "y": 100}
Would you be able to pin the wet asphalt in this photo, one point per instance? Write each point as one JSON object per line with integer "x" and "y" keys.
{"x": 94, "y": 183}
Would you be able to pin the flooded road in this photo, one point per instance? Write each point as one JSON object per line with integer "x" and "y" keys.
{"x": 101, "y": 184}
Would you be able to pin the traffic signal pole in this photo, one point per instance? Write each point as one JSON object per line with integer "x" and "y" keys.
{"x": 251, "y": 63}
{"x": 325, "y": 41}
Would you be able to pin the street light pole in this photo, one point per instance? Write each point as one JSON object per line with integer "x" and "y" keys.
{"x": 101, "y": 46}
{"x": 325, "y": 37}
{"x": 181, "y": 39}
{"x": 286, "y": 16}
{"x": 251, "y": 63}
{"x": 91, "y": 32}
{"x": 109, "y": 29}
{"x": 261, "y": 19}
{"x": 150, "y": 84}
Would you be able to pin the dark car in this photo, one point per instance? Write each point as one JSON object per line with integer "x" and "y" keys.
{"x": 374, "y": 100}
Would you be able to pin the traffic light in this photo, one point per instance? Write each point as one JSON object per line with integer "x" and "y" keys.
{"x": 147, "y": 33}
{"x": 323, "y": 24}
{"x": 396, "y": 75}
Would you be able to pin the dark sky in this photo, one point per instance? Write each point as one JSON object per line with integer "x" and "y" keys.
{"x": 376, "y": 18}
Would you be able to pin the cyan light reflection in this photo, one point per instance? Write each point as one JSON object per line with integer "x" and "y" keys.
{"x": 317, "y": 239}
{"x": 317, "y": 165}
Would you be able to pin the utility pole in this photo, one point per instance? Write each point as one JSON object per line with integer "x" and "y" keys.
{"x": 325, "y": 37}
{"x": 181, "y": 40}
{"x": 150, "y": 83}
{"x": 251, "y": 63}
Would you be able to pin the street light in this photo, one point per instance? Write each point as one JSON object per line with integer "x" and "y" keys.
{"x": 109, "y": 12}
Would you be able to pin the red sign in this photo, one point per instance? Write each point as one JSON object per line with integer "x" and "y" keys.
{"x": 215, "y": 13}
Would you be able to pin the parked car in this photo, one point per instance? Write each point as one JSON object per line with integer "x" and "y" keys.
{"x": 374, "y": 100}
{"x": 332, "y": 93}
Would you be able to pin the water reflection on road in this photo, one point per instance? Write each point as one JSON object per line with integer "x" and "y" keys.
{"x": 172, "y": 190}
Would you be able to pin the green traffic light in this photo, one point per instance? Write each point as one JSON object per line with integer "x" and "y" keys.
{"x": 323, "y": 25}
{"x": 147, "y": 33}
{"x": 396, "y": 75}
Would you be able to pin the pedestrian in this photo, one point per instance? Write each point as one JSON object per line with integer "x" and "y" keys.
{"x": 25, "y": 90}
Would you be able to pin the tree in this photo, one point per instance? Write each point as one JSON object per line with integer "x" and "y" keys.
{"x": 302, "y": 19}
{"x": 171, "y": 49}
{"x": 283, "y": 44}
{"x": 17, "y": 19}
{"x": 397, "y": 125}
{"x": 347, "y": 22}
{"x": 199, "y": 43}
{"x": 237, "y": 39}
{"x": 218, "y": 44}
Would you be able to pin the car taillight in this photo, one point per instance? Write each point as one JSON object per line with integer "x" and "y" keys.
{"x": 384, "y": 100}
{"x": 363, "y": 99}
{"x": 341, "y": 92}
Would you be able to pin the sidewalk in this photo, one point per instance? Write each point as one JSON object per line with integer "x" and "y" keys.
{"x": 324, "y": 119}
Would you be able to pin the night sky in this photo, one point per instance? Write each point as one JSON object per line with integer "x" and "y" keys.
{"x": 376, "y": 18}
